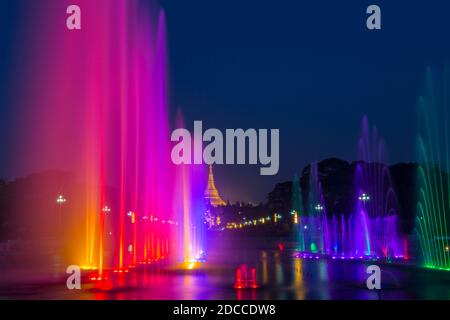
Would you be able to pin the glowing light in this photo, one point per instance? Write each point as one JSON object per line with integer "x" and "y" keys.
{"x": 98, "y": 278}
{"x": 364, "y": 197}
{"x": 88, "y": 268}
{"x": 276, "y": 217}
{"x": 132, "y": 216}
{"x": 295, "y": 217}
{"x": 61, "y": 199}
{"x": 245, "y": 279}
{"x": 105, "y": 211}
{"x": 121, "y": 271}
{"x": 190, "y": 264}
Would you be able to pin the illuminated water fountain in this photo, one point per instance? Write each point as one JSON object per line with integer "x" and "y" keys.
{"x": 193, "y": 231}
{"x": 297, "y": 209}
{"x": 104, "y": 110}
{"x": 376, "y": 203}
{"x": 313, "y": 227}
{"x": 433, "y": 209}
{"x": 371, "y": 230}
{"x": 190, "y": 206}
{"x": 245, "y": 278}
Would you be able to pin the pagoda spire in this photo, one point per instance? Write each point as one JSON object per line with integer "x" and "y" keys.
{"x": 211, "y": 194}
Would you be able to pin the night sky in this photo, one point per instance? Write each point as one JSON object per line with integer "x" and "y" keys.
{"x": 309, "y": 68}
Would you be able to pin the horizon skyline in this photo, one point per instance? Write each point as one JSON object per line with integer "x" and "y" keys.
{"x": 299, "y": 73}
{"x": 215, "y": 167}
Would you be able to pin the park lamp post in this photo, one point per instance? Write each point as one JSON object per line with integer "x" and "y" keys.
{"x": 132, "y": 217}
{"x": 60, "y": 200}
{"x": 364, "y": 197}
{"x": 105, "y": 210}
{"x": 318, "y": 207}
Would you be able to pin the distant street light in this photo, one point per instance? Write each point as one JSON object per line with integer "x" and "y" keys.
{"x": 318, "y": 207}
{"x": 276, "y": 217}
{"x": 60, "y": 200}
{"x": 105, "y": 211}
{"x": 295, "y": 216}
{"x": 364, "y": 197}
{"x": 132, "y": 217}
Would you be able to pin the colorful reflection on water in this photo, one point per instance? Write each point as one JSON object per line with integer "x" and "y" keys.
{"x": 279, "y": 275}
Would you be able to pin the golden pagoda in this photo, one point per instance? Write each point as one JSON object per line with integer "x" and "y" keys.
{"x": 211, "y": 194}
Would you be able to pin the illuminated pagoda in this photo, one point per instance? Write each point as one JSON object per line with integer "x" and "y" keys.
{"x": 212, "y": 196}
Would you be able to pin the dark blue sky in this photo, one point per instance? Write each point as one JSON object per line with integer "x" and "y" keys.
{"x": 309, "y": 68}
